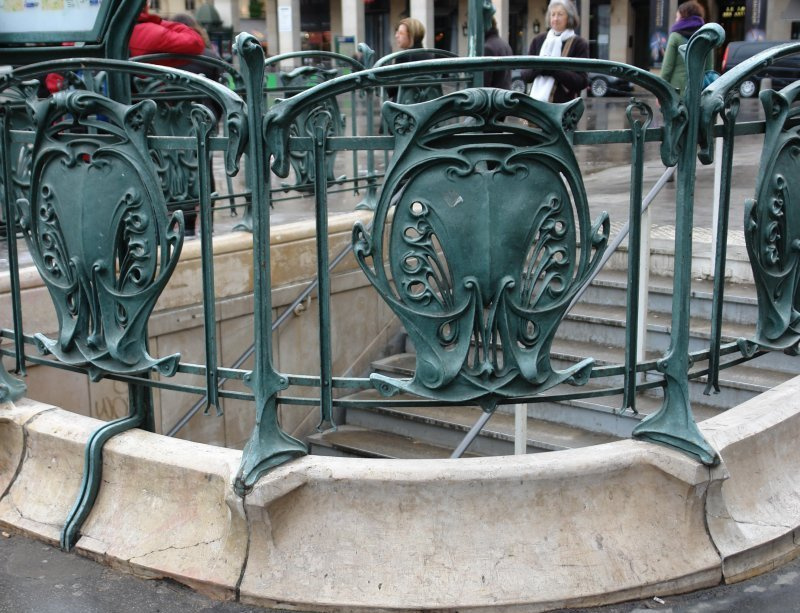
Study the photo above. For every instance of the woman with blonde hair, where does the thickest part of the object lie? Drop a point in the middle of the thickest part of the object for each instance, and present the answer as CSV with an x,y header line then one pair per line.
x,y
409,35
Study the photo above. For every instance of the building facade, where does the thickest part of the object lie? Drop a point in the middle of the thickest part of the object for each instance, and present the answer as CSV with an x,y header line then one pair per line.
x,y
631,31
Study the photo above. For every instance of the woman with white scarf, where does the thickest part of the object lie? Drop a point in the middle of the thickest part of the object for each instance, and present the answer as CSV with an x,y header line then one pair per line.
x,y
559,41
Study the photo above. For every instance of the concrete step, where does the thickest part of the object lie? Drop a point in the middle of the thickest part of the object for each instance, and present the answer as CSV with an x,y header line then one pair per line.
x,y
595,327
447,426
610,287
356,442
737,383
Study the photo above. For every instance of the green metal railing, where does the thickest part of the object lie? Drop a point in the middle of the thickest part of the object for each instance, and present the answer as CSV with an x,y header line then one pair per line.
x,y
481,237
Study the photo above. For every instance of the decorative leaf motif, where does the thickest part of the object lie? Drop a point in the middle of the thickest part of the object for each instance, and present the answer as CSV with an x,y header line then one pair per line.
x,y
97,228
483,246
303,125
771,230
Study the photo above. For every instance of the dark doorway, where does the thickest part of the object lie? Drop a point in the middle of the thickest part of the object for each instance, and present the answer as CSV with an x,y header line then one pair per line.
x,y
378,32
599,29
445,24
640,43
518,36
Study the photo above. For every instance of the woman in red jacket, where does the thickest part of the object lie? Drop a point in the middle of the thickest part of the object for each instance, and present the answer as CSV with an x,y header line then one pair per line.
x,y
151,34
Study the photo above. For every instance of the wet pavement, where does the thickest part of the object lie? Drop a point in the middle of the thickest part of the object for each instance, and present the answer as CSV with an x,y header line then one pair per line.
x,y
38,578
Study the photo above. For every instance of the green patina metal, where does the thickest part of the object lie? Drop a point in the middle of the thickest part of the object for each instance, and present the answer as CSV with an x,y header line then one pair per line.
x,y
268,446
638,128
674,423
483,248
93,211
97,229
490,235
772,226
303,162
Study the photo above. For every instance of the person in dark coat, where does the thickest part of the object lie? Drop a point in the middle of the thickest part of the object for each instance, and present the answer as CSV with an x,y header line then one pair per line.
x,y
408,35
559,41
495,46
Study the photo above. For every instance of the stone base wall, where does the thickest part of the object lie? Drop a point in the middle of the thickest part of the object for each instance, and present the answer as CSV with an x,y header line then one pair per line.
x,y
363,327
520,533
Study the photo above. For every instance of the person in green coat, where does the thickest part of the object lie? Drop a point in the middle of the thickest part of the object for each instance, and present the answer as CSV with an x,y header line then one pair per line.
x,y
689,18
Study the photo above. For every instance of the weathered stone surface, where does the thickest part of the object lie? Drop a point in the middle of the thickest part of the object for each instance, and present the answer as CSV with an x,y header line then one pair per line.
x,y
166,507
48,481
754,515
13,417
562,528
525,533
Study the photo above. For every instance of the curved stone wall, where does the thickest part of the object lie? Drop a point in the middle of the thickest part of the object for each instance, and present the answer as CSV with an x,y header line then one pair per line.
x,y
569,528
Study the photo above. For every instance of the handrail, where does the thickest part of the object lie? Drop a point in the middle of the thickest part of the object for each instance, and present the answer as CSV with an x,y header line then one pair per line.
x,y
305,293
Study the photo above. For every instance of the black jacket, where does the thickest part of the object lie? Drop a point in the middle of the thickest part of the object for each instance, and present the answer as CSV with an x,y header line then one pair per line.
x,y
495,46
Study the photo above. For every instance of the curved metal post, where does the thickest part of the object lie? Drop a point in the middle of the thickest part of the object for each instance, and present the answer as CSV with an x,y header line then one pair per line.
x,y
268,445
140,413
673,424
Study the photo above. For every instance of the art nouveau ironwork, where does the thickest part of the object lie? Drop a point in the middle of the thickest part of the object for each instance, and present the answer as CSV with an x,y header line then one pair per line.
x,y
481,234
483,248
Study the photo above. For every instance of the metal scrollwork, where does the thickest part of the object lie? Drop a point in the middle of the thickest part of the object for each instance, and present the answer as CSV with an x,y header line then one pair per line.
x,y
771,228
303,125
97,227
488,244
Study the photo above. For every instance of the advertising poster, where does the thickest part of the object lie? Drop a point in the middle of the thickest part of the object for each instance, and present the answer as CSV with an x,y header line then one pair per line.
x,y
26,16
755,20
659,30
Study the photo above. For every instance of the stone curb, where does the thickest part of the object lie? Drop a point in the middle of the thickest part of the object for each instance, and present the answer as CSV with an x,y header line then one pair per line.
x,y
530,533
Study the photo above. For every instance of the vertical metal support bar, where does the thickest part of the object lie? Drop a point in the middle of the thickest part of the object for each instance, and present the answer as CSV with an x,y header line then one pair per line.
x,y
371,199
674,423
475,35
520,429
354,132
11,240
721,247
644,288
323,274
633,307
268,446
203,123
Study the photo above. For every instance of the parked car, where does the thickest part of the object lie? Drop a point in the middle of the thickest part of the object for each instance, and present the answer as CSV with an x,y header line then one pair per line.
x,y
783,72
599,84
604,85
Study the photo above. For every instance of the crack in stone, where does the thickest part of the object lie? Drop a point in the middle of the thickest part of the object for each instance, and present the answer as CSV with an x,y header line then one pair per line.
x,y
759,523
174,548
19,512
238,588
23,455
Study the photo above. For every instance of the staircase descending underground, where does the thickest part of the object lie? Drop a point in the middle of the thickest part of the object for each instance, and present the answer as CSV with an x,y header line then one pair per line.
x,y
597,321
